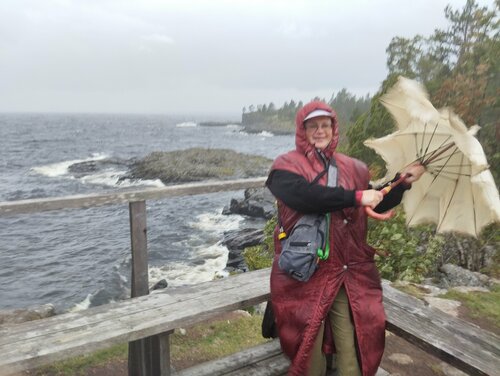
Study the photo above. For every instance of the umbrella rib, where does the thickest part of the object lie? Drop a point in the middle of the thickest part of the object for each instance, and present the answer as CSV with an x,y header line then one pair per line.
x,y
451,176
441,148
432,136
451,198
416,147
432,182
456,151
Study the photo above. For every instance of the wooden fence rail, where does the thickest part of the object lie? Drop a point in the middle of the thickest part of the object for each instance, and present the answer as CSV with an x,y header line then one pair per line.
x,y
147,321
144,354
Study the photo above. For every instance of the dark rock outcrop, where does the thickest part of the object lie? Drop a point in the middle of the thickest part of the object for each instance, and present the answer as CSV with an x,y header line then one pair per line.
x,y
236,241
81,169
198,164
258,202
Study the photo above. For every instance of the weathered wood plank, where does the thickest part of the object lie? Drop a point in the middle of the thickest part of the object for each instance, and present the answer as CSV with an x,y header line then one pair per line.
x,y
262,360
168,298
234,362
120,197
22,346
139,352
457,342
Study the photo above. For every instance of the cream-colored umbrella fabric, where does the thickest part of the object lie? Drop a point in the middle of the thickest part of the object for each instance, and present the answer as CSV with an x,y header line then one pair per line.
x,y
457,192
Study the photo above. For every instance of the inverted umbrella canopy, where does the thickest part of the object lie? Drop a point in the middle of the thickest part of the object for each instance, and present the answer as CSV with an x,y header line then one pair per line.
x,y
457,192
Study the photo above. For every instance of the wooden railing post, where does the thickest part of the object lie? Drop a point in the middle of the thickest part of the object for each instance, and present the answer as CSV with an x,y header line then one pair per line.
x,y
149,356
139,363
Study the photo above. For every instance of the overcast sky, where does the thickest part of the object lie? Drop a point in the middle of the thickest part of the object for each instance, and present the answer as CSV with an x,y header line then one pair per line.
x,y
194,56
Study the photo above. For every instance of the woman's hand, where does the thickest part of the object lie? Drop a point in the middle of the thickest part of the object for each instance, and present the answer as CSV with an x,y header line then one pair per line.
x,y
413,172
371,198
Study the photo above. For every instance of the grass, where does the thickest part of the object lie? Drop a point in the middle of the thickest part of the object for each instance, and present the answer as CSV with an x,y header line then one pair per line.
x,y
203,342
78,366
484,305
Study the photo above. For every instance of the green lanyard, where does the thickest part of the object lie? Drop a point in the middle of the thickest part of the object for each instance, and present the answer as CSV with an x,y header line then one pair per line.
x,y
323,254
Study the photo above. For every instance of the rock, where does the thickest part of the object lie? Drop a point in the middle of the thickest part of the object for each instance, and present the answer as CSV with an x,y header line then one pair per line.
x,y
400,358
161,284
457,276
236,241
258,202
198,164
81,169
468,289
434,290
240,239
16,316
446,305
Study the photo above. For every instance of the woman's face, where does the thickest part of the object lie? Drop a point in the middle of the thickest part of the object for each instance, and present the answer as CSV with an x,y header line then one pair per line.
x,y
319,131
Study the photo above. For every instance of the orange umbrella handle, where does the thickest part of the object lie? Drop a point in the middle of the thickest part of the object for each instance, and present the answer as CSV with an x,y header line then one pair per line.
x,y
390,213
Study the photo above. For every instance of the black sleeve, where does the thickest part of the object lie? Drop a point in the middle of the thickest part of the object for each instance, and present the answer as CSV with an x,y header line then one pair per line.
x,y
300,195
393,198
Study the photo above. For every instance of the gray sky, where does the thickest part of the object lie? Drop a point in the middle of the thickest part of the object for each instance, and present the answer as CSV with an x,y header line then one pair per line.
x,y
197,56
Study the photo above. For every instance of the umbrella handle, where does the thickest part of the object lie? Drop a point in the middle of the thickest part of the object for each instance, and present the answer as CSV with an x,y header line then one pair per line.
x,y
379,216
390,213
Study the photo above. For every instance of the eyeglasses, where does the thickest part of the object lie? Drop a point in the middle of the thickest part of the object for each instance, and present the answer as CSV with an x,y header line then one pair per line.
x,y
315,127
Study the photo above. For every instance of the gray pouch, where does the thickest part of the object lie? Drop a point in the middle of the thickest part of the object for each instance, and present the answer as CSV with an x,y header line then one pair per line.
x,y
299,254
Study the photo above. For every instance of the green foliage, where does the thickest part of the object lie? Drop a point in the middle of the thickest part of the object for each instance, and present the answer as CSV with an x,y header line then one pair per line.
x,y
282,120
261,256
413,253
480,304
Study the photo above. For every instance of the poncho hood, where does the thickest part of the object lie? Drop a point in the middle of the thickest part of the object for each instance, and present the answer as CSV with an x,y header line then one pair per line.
x,y
301,143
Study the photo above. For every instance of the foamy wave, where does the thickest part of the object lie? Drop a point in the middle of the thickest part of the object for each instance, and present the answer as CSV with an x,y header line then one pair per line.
x,y
82,305
112,179
266,134
217,222
235,127
61,168
187,124
214,262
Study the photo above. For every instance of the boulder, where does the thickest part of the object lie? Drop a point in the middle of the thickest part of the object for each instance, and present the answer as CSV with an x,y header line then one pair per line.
x,y
236,241
197,164
258,202
16,316
240,239
456,276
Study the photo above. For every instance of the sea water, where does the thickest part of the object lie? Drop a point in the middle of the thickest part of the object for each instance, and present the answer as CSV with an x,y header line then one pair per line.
x,y
76,258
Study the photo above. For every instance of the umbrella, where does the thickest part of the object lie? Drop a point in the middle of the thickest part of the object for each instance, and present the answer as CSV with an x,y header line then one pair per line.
x,y
457,191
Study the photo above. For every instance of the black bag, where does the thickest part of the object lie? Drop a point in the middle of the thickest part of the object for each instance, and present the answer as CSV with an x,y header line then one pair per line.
x,y
308,242
269,329
306,245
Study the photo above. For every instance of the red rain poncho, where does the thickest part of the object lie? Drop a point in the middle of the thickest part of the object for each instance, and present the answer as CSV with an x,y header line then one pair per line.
x,y
299,307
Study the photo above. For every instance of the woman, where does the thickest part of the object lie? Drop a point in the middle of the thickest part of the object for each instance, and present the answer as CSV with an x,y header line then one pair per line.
x,y
340,308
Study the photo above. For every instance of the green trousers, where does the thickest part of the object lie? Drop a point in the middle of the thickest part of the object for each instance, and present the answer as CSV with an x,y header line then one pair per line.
x,y
343,337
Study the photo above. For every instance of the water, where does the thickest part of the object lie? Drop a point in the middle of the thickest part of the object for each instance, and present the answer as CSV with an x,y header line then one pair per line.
x,y
77,258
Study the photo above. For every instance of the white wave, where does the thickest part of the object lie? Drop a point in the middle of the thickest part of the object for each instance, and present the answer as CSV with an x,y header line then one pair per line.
x,y
61,168
187,124
266,134
112,179
82,305
235,127
217,223
179,274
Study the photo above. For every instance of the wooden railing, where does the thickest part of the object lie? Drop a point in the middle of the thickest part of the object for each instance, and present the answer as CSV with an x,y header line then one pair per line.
x,y
146,321
139,358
